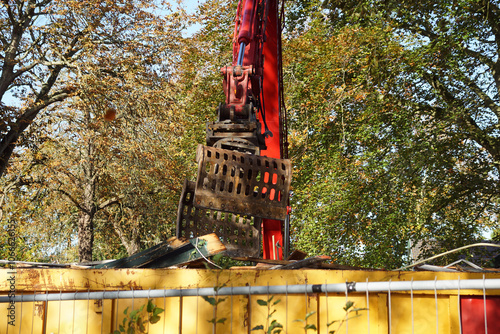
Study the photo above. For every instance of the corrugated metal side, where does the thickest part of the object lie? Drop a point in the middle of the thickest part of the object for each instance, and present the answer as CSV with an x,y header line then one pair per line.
x,y
404,312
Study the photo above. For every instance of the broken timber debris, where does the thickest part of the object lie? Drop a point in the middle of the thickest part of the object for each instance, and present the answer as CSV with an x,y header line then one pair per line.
x,y
173,252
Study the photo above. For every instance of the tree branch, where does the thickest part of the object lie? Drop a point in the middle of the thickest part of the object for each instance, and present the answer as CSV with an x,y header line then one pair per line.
x,y
466,121
8,142
110,201
487,101
73,200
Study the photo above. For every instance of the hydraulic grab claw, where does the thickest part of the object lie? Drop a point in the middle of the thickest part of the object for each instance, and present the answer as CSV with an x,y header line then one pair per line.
x,y
236,187
242,183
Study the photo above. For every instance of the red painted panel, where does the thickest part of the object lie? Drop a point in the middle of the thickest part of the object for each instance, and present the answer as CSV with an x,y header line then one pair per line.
x,y
271,229
472,313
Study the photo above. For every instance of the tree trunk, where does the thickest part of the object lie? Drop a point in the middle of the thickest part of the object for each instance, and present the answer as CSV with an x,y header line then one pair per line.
x,y
88,208
85,236
132,244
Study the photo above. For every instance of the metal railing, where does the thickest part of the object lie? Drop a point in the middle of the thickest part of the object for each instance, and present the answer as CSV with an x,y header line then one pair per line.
x,y
351,307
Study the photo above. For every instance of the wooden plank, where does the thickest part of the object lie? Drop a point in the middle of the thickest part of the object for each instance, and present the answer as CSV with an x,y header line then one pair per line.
x,y
170,253
258,260
311,261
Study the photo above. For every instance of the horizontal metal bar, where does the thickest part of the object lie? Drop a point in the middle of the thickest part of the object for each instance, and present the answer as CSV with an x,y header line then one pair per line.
x,y
470,284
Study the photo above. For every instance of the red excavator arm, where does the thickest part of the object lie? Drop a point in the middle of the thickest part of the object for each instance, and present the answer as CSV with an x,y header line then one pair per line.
x,y
257,56
244,177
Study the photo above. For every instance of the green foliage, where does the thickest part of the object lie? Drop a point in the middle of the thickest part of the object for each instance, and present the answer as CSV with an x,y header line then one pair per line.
x,y
393,119
393,127
349,308
272,326
226,262
204,54
342,184
137,321
215,301
307,326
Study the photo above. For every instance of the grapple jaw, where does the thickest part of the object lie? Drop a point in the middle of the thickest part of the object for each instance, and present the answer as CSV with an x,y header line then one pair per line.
x,y
239,233
242,183
232,194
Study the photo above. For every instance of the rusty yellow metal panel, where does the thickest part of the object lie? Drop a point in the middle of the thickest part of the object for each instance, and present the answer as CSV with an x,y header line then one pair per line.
x,y
333,316
383,314
112,279
290,312
424,318
454,314
27,319
191,314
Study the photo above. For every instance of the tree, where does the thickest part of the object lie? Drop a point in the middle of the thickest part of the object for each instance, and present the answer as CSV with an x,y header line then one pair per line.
x,y
397,111
205,52
46,42
452,56
106,179
113,172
